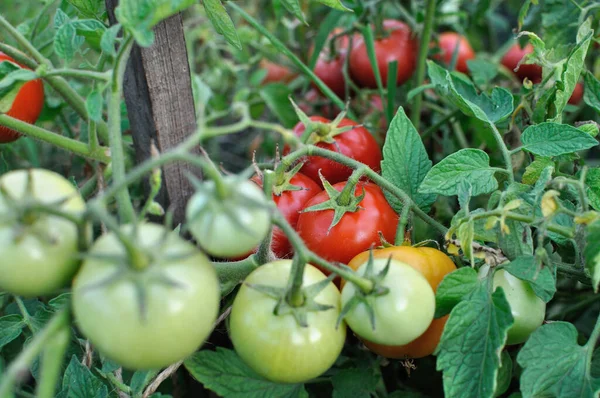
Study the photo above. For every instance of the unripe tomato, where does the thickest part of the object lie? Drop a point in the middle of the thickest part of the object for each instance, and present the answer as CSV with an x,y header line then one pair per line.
x,y
512,58
230,226
527,309
402,314
448,42
356,143
27,105
276,346
38,251
276,73
433,265
577,95
355,232
399,46
152,317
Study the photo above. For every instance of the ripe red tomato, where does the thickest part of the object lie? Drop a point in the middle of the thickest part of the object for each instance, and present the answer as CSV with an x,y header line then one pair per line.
x,y
329,70
447,43
577,95
276,73
397,46
433,265
357,143
290,203
27,105
355,232
512,58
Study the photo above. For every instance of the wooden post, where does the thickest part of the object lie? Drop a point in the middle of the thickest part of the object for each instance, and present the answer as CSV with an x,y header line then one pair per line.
x,y
158,95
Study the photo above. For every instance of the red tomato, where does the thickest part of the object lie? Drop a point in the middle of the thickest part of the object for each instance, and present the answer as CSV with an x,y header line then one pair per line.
x,y
577,95
356,143
398,46
329,70
290,203
512,58
27,105
355,232
276,73
448,42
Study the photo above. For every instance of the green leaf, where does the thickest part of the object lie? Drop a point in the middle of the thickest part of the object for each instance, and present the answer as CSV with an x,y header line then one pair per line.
x,y
572,69
535,168
140,380
337,4
554,365
11,327
471,165
592,182
482,71
294,7
94,105
354,383
504,374
516,243
469,351
222,21
591,94
79,382
556,15
590,128
405,162
67,42
553,139
88,8
466,234
276,96
592,253
109,38
541,279
453,288
223,372
461,92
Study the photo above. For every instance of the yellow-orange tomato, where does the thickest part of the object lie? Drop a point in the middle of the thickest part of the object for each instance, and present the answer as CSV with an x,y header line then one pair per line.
x,y
434,265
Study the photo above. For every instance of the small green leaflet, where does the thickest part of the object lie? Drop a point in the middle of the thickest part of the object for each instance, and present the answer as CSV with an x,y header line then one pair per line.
x,y
592,182
592,253
554,365
554,15
93,105
88,8
453,288
222,21
504,374
541,279
337,4
466,234
472,165
461,92
518,242
405,162
107,43
554,139
223,372
572,69
294,7
535,168
469,351
11,327
482,71
79,382
591,94
355,383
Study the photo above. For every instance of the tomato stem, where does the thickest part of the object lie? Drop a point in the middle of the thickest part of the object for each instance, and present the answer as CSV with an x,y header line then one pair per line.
x,y
31,351
295,297
401,231
125,207
428,26
264,253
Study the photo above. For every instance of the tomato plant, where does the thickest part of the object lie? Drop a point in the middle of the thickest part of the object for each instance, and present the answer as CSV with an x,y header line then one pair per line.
x,y
26,106
433,265
40,250
151,317
357,143
355,232
269,342
397,44
398,316
450,42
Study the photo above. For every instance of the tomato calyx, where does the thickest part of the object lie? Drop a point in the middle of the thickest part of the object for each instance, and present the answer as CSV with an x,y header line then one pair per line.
x,y
318,131
341,202
367,297
283,180
300,311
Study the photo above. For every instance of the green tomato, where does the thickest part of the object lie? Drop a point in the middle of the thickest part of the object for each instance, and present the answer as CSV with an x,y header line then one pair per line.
x,y
148,318
275,346
527,309
231,226
401,315
38,250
